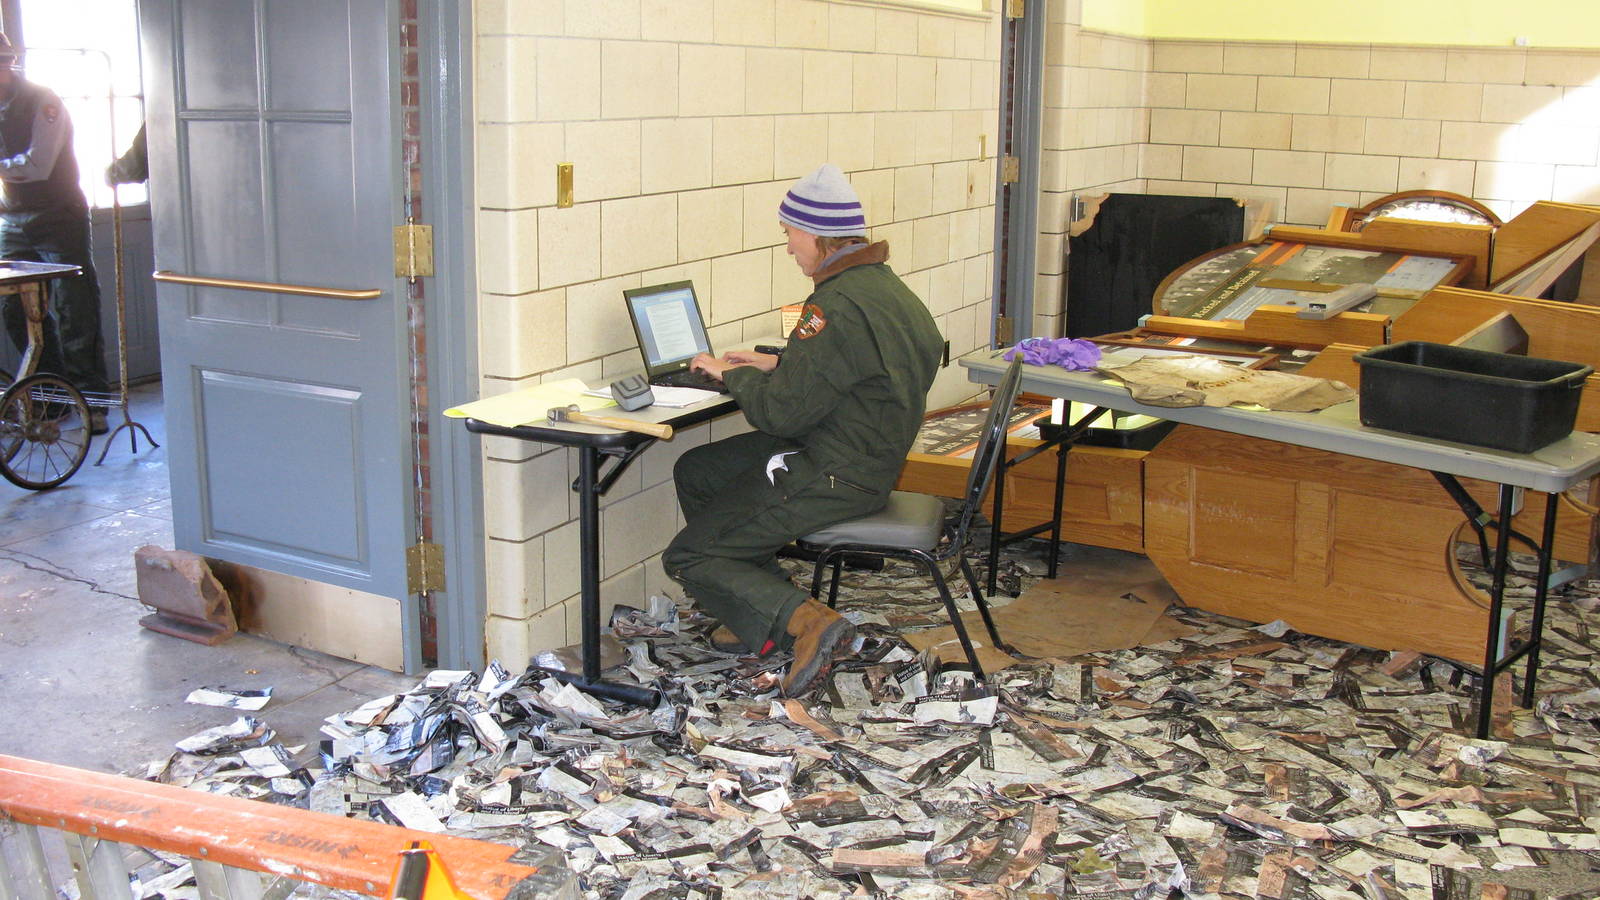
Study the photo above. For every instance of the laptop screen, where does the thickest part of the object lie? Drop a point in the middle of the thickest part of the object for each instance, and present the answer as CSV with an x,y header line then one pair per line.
x,y
667,320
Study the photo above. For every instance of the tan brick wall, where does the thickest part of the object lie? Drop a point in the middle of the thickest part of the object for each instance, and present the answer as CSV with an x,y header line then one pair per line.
x,y
1301,127
1506,127
1096,124
686,120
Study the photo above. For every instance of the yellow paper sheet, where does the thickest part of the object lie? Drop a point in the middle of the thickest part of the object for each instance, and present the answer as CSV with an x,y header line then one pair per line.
x,y
529,406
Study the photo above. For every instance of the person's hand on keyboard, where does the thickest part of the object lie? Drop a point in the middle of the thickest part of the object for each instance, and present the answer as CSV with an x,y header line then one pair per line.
x,y
766,362
705,362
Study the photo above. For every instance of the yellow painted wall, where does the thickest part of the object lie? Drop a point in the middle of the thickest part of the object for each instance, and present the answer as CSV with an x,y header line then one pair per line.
x,y
1483,23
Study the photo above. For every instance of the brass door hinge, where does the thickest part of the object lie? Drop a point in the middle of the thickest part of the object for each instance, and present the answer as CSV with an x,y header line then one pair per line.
x,y
1011,169
424,568
413,251
1003,330
1016,9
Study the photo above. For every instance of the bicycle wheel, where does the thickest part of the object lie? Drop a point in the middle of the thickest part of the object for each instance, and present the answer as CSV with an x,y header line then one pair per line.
x,y
8,446
44,431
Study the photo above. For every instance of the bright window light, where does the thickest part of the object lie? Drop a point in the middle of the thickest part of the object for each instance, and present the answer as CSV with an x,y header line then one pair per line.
x,y
87,51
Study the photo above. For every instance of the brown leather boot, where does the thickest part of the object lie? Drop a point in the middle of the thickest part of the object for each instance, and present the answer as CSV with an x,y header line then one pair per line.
x,y
818,633
723,639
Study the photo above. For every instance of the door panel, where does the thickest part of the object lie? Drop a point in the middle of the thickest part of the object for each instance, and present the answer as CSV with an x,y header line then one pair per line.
x,y
305,255
226,219
326,424
287,415
306,30
219,69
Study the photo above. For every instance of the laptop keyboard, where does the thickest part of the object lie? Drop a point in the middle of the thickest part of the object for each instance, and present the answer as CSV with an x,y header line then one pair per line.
x,y
690,379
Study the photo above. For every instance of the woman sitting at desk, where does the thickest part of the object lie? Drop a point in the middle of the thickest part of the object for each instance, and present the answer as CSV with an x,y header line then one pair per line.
x,y
834,423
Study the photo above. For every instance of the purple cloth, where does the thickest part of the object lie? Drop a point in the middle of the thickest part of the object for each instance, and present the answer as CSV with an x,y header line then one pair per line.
x,y
1072,354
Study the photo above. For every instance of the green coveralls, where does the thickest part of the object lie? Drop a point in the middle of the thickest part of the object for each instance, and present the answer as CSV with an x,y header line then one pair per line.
x,y
850,398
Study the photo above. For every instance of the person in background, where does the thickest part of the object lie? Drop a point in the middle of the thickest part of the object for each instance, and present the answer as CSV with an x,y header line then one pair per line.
x,y
833,423
133,167
44,217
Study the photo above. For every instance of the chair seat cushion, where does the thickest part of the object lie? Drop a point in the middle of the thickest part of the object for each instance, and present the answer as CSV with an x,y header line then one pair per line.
x,y
910,521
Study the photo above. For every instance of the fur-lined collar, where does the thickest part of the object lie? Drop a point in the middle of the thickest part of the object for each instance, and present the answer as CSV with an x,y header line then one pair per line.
x,y
871,254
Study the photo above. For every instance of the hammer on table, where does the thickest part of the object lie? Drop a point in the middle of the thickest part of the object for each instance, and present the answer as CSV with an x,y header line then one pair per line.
x,y
571,413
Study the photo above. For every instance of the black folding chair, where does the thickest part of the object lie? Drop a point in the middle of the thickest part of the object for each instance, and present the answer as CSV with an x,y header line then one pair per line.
x,y
915,526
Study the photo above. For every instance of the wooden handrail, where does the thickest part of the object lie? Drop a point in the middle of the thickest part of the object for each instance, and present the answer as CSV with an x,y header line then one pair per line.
x,y
346,854
271,287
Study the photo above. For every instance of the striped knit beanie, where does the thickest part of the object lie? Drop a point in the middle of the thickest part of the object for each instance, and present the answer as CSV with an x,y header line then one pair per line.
x,y
823,203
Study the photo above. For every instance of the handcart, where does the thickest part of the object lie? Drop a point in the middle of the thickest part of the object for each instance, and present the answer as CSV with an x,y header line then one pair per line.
x,y
44,418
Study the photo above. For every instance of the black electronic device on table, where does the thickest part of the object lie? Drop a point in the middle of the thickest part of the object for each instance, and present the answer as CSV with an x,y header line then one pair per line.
x,y
632,392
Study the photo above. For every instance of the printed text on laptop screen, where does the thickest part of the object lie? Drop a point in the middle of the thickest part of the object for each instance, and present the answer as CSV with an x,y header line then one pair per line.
x,y
668,325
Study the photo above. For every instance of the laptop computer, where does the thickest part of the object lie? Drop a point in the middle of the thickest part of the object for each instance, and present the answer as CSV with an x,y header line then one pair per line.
x,y
667,321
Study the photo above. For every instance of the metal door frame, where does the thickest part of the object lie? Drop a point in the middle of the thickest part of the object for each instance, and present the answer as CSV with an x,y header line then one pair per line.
x,y
456,498
1016,229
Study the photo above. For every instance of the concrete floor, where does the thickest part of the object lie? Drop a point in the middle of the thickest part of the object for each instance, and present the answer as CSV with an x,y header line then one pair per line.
x,y
81,683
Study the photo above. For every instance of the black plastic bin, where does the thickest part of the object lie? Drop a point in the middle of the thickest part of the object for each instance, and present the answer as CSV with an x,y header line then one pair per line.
x,y
1516,403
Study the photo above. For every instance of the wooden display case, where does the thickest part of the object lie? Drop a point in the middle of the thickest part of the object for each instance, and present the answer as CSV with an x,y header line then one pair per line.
x,y
1337,546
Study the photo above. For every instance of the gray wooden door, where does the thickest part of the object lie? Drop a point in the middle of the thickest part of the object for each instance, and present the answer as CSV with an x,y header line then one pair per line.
x,y
274,160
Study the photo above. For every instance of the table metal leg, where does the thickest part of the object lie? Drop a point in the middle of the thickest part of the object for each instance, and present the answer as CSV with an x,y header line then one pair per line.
x,y
33,299
588,489
589,559
1062,442
1055,509
1497,590
1493,661
1541,590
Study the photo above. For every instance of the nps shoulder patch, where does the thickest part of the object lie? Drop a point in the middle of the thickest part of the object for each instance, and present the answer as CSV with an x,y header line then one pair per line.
x,y
51,112
812,321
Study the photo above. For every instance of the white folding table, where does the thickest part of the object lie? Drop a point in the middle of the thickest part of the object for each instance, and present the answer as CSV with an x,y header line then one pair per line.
x,y
1548,470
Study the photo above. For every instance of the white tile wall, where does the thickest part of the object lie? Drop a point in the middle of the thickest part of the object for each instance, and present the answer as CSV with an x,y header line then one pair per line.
x,y
516,164
636,528
711,80
852,141
603,18
710,223
514,492
774,80
674,154
798,142
606,160
589,334
801,23
685,121
638,79
638,233
527,334
742,285
685,21
568,73
514,572
761,214
745,22
742,149
569,244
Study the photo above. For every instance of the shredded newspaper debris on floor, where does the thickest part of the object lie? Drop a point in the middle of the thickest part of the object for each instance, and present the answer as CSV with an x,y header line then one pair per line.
x,y
1234,761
